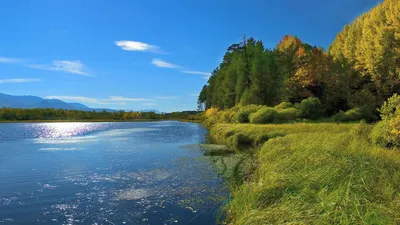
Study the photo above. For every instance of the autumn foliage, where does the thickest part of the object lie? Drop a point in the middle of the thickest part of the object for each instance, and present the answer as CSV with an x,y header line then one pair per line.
x,y
360,70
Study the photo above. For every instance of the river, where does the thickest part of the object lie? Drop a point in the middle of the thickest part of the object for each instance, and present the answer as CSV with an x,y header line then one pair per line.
x,y
107,173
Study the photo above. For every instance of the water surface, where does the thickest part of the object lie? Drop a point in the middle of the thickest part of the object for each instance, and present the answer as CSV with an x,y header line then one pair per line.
x,y
106,173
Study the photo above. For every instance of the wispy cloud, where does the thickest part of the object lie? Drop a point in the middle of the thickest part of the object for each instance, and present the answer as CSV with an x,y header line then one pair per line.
x,y
163,64
124,99
18,80
10,60
77,99
205,75
196,72
166,97
74,67
136,46
194,95
108,101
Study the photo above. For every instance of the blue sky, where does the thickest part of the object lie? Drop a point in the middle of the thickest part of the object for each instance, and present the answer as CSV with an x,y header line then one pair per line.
x,y
141,54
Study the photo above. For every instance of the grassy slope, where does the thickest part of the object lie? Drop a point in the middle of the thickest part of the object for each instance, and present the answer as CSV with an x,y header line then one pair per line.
x,y
315,174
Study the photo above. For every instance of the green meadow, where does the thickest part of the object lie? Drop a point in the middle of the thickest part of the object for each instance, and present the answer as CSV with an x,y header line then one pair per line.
x,y
313,173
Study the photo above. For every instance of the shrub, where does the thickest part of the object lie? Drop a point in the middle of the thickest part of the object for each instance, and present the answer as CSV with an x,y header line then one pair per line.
x,y
387,132
390,108
284,105
265,115
340,117
226,117
379,134
288,114
212,116
243,114
310,108
360,113
232,116
211,112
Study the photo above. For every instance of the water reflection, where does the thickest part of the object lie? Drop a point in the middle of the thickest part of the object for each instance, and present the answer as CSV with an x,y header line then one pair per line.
x,y
107,173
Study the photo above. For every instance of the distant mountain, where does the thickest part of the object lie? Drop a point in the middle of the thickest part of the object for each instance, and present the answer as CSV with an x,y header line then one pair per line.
x,y
30,102
26,102
18,101
149,110
79,106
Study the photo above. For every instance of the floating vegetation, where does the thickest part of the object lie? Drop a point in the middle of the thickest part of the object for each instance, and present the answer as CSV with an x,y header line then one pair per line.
x,y
215,150
234,168
210,149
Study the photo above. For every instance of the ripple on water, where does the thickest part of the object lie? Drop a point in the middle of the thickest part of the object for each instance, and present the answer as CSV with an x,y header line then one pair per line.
x,y
133,194
62,149
118,135
102,186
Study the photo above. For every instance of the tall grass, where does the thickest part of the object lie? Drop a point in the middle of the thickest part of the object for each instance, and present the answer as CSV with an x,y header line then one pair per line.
x,y
315,174
255,135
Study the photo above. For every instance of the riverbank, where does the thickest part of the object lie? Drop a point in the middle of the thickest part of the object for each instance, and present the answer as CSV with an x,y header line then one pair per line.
x,y
313,174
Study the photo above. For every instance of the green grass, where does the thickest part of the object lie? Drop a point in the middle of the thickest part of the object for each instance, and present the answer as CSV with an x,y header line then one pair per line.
x,y
314,174
237,136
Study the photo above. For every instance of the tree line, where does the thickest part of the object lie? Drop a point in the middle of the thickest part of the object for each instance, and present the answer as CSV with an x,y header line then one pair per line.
x,y
10,114
360,69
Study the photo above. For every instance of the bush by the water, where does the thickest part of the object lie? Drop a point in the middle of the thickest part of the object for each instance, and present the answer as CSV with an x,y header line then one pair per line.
x,y
264,115
228,116
267,115
360,113
284,105
289,114
245,111
387,132
310,108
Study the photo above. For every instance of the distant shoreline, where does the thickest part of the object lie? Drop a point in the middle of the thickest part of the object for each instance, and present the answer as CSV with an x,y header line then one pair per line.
x,y
99,121
80,121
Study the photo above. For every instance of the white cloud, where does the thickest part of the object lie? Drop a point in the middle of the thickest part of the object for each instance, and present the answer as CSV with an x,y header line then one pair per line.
x,y
166,97
10,60
195,95
196,72
110,100
163,64
136,46
205,75
18,80
123,99
77,99
74,67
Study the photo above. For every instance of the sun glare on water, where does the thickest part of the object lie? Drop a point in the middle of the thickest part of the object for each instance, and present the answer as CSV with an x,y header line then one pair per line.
x,y
58,130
